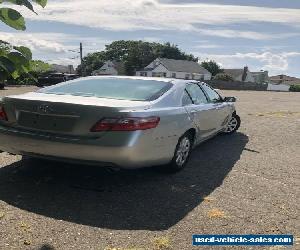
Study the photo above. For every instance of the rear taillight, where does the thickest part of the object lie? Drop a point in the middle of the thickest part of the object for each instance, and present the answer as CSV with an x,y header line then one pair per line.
x,y
3,116
126,124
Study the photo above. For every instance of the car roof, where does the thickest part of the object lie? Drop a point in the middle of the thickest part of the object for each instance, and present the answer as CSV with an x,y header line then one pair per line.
x,y
160,79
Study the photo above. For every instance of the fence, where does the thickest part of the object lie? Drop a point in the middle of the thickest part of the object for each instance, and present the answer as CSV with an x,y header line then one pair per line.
x,y
218,84
279,87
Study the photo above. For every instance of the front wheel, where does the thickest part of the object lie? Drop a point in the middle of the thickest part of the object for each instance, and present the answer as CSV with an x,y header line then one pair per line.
x,y
233,125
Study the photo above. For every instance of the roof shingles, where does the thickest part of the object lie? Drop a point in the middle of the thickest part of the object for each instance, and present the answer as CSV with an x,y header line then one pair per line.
x,y
183,66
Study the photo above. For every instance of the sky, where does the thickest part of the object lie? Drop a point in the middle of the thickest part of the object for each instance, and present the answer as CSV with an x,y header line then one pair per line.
x,y
264,35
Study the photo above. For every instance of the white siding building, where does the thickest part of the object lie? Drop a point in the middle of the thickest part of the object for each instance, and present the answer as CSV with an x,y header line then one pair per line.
x,y
244,75
170,68
110,68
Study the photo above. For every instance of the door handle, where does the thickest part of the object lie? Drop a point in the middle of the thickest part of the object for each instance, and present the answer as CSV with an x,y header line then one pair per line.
x,y
217,107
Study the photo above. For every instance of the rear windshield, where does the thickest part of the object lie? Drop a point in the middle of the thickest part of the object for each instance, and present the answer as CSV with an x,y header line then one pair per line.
x,y
112,88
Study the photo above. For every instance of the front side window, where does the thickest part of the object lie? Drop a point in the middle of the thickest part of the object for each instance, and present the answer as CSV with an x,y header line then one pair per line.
x,y
212,94
111,88
196,93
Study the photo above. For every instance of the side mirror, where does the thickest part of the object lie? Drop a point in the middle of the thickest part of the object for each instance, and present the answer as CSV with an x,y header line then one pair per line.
x,y
229,99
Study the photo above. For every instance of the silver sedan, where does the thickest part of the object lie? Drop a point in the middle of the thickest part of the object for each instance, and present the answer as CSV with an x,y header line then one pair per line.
x,y
127,122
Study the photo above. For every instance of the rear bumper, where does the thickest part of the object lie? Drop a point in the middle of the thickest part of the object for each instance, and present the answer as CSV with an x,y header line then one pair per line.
x,y
139,150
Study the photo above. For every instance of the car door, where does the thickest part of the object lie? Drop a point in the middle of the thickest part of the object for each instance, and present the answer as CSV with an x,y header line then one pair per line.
x,y
221,109
200,111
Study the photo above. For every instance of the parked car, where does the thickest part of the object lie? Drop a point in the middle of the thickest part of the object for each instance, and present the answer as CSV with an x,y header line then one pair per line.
x,y
127,122
54,78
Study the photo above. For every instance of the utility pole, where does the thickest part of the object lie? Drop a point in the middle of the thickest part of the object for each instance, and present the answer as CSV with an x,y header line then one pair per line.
x,y
81,58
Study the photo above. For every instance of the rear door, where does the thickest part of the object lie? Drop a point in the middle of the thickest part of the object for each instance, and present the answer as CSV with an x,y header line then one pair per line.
x,y
222,109
200,111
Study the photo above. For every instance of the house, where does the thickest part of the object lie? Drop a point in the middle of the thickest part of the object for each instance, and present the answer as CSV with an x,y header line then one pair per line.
x,y
260,76
69,69
239,75
113,68
244,75
171,68
284,79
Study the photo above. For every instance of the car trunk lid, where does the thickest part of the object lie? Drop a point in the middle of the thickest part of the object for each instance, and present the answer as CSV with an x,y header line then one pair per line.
x,y
64,114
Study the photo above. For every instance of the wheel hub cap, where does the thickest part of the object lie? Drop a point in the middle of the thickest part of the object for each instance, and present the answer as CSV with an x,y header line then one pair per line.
x,y
232,125
183,151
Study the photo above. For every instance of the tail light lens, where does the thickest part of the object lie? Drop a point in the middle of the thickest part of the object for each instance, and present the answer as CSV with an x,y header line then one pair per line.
x,y
3,116
126,124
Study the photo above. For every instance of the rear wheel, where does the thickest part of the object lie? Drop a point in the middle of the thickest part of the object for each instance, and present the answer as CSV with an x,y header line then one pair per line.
x,y
233,125
182,153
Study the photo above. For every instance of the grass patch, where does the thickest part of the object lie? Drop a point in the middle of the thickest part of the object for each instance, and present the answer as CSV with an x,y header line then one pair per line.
x,y
27,242
277,113
25,227
2,214
162,243
216,213
117,248
208,199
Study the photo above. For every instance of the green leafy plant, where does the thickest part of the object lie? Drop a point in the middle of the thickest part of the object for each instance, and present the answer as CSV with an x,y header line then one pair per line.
x,y
224,77
37,69
212,67
295,88
15,60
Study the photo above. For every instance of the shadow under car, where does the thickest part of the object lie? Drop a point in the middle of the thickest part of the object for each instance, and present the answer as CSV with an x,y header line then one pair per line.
x,y
141,199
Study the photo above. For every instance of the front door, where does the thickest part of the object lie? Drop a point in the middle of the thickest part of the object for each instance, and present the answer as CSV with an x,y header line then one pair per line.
x,y
222,109
201,111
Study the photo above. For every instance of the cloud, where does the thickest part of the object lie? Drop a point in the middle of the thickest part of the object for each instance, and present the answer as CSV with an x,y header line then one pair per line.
x,y
36,41
152,15
226,33
54,47
274,62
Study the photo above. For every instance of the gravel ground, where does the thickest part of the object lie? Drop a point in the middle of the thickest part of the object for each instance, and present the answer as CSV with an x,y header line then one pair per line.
x,y
247,183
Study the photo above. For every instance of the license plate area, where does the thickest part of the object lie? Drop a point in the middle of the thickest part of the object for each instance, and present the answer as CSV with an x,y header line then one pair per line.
x,y
46,122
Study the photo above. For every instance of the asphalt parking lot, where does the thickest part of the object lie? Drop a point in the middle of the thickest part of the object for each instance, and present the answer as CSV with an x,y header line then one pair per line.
x,y
247,183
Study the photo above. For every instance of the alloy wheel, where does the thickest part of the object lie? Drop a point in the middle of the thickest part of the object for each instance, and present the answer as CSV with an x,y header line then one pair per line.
x,y
232,125
183,151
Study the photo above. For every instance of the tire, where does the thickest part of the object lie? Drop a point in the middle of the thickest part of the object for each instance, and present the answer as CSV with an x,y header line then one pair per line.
x,y
182,154
233,125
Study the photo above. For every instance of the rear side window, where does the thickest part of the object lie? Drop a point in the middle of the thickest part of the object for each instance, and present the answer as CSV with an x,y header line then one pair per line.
x,y
112,88
186,99
196,93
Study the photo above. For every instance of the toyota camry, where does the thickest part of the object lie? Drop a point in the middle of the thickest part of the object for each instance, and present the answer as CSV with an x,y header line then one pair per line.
x,y
125,122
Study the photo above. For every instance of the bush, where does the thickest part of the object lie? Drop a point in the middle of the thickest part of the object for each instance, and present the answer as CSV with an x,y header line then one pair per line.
x,y
2,85
295,88
224,77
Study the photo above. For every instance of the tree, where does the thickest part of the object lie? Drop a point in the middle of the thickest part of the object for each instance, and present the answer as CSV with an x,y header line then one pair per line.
x,y
37,68
134,54
91,62
224,77
15,60
212,67
295,88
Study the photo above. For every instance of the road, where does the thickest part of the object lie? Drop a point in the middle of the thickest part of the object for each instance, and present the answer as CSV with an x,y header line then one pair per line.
x,y
246,183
